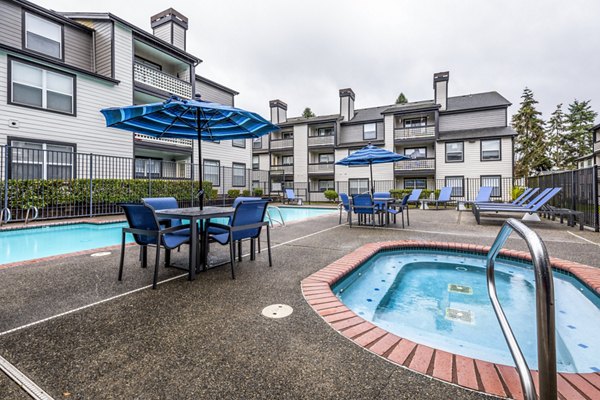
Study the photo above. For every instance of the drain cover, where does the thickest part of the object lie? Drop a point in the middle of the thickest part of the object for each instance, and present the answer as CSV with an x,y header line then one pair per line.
x,y
101,254
277,311
454,288
465,316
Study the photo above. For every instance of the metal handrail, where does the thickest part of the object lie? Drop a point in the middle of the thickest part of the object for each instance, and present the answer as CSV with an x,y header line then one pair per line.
x,y
5,212
544,303
35,214
271,219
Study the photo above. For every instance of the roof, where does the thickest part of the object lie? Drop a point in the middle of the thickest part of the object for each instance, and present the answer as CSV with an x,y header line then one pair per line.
x,y
477,100
217,85
53,14
477,133
139,31
414,105
596,127
312,120
367,114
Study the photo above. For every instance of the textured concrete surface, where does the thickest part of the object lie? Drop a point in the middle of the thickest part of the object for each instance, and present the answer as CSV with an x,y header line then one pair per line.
x,y
207,338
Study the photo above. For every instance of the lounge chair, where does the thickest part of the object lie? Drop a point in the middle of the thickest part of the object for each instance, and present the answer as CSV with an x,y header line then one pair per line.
x,y
485,192
532,202
444,197
526,195
533,207
147,231
246,224
290,196
362,205
414,197
344,206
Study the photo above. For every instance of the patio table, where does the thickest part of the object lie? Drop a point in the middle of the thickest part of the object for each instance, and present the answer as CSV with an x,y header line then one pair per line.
x,y
195,214
388,201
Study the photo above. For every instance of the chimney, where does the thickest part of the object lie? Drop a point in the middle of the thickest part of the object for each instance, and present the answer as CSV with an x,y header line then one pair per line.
x,y
347,104
278,111
440,89
170,26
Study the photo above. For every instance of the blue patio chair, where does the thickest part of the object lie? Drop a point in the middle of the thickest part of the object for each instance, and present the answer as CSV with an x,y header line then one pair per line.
x,y
414,196
290,196
246,224
163,203
444,197
362,205
399,209
344,206
147,231
526,195
483,196
533,207
381,195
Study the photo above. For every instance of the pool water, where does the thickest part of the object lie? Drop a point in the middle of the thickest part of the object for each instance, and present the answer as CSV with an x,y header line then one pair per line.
x,y
440,299
29,244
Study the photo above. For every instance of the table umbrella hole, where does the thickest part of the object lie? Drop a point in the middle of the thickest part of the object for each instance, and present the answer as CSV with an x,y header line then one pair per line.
x,y
101,254
277,311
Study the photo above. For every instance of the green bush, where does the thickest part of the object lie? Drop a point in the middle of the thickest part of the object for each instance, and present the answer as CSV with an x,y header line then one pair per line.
x,y
213,194
400,193
425,194
330,195
246,193
257,192
517,191
233,193
208,190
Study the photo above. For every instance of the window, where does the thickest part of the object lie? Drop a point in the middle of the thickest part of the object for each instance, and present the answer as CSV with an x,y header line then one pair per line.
x,y
36,160
146,167
324,132
326,184
457,183
326,158
493,181
239,143
369,131
287,160
36,87
415,122
255,184
238,174
490,150
287,135
257,143
43,36
356,186
416,152
415,183
255,162
454,151
211,172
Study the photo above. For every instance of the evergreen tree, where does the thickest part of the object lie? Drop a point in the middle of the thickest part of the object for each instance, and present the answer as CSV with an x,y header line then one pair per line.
x,y
307,113
530,143
578,139
401,99
555,136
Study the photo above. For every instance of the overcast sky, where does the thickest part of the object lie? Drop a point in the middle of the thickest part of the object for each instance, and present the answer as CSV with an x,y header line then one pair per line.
x,y
303,51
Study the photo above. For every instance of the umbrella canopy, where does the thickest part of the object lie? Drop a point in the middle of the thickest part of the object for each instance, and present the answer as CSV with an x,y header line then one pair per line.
x,y
189,119
370,155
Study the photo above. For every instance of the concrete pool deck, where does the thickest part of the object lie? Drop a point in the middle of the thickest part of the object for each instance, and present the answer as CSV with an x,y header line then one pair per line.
x,y
207,338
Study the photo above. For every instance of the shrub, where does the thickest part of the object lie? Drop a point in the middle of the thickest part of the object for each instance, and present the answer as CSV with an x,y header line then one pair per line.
x,y
426,193
330,195
213,194
436,193
400,193
233,193
246,193
257,192
517,191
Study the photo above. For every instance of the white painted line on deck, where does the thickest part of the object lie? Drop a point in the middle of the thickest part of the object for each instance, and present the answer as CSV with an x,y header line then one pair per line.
x,y
140,289
584,239
23,381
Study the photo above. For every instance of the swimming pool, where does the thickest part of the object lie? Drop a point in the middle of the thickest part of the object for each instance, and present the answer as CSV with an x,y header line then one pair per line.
x,y
440,299
32,243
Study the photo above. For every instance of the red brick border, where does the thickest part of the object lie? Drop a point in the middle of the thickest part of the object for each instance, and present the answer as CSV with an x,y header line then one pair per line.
x,y
495,379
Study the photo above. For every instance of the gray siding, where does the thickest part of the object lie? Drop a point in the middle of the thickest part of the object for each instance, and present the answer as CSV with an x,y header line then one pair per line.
x,y
354,133
10,24
163,32
211,93
78,48
104,33
178,36
473,120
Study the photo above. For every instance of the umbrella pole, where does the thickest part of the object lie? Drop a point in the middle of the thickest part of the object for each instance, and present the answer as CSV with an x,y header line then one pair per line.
x,y
201,191
372,183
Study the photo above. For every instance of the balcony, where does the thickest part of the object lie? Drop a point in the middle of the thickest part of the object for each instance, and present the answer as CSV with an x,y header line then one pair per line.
x,y
260,145
287,169
328,140
160,80
415,165
596,147
320,168
170,141
279,144
416,132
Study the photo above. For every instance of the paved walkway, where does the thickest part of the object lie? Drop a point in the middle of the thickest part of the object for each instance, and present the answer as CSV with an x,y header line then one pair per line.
x,y
207,338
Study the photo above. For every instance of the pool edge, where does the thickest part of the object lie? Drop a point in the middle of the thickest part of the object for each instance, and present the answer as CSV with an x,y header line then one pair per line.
x,y
472,374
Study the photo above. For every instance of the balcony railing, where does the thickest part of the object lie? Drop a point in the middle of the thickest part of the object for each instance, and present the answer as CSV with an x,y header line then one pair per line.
x,y
281,143
418,164
171,141
414,132
162,81
596,147
282,169
320,168
321,140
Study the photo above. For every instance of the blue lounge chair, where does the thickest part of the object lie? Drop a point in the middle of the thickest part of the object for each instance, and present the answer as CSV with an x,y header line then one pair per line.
x,y
485,192
526,195
533,207
414,196
444,197
363,206
246,224
344,206
147,231
531,203
290,196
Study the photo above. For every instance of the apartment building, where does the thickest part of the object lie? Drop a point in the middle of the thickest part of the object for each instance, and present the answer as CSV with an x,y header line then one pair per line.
x,y
57,70
448,139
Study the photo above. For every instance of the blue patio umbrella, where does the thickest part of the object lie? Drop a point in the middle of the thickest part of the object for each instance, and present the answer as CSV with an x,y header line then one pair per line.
x,y
189,119
370,155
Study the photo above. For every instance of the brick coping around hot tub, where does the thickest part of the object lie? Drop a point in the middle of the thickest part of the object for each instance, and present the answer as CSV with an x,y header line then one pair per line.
x,y
495,379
